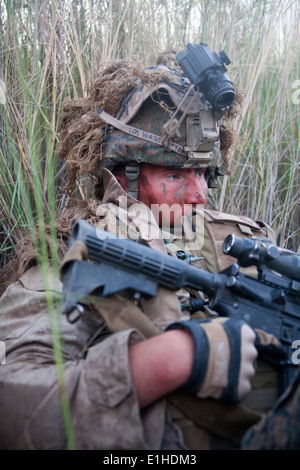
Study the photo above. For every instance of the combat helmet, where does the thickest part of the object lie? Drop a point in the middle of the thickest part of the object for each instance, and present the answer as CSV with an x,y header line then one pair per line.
x,y
136,114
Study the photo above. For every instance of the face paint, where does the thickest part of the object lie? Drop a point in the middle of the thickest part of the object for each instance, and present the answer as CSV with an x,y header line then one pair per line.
x,y
171,192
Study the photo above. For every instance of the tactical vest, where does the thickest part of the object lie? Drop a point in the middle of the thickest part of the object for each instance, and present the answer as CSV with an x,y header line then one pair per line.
x,y
211,424
204,423
216,226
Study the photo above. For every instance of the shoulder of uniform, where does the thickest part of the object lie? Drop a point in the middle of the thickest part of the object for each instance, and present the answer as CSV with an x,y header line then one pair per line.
x,y
224,217
245,224
35,280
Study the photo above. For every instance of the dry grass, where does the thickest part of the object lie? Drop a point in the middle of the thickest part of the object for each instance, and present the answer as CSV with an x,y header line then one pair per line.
x,y
50,48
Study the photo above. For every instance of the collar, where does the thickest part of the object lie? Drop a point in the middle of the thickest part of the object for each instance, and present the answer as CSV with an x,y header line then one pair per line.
x,y
138,214
113,191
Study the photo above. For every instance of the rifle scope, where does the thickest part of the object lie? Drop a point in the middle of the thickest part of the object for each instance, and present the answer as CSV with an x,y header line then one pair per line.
x,y
260,251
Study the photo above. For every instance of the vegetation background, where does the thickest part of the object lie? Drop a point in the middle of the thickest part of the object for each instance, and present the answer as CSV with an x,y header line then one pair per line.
x,y
50,48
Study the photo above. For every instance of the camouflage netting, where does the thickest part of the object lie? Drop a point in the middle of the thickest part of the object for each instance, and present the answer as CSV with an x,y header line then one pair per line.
x,y
82,131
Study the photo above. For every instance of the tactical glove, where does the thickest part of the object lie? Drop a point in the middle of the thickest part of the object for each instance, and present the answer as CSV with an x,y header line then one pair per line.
x,y
269,348
224,355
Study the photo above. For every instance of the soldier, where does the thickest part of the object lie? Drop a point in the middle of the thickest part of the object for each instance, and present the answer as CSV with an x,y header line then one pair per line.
x,y
135,375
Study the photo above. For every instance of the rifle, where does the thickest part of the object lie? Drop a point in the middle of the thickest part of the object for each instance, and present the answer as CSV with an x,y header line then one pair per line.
x,y
270,301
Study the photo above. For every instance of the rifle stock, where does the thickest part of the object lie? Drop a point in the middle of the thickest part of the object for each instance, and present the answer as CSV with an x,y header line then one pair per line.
x,y
270,302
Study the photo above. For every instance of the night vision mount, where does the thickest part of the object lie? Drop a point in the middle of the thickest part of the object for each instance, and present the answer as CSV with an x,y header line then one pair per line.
x,y
206,71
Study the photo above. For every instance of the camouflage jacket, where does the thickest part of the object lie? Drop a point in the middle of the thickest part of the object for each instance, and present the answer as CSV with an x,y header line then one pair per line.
x,y
96,379
103,404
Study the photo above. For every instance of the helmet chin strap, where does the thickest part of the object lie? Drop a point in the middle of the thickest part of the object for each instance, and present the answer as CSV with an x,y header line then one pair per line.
x,y
132,173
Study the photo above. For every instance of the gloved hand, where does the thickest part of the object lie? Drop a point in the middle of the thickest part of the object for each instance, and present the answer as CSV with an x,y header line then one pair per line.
x,y
269,348
224,355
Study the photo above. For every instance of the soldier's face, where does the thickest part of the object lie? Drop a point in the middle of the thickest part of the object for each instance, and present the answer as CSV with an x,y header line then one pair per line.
x,y
171,192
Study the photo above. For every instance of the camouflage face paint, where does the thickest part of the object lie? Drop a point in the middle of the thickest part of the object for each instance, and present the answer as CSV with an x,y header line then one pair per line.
x,y
171,187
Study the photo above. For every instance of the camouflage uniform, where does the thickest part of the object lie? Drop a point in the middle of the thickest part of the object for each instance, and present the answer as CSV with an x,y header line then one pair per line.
x,y
104,407
279,429
97,377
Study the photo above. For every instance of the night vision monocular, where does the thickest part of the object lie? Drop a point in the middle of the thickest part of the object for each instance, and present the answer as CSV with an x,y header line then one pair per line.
x,y
206,70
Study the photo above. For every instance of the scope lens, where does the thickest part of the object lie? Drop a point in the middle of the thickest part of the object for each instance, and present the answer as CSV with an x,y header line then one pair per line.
x,y
224,100
218,90
228,244
237,246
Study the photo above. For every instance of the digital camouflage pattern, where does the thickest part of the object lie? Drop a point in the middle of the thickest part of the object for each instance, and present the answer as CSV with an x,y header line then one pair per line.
x,y
150,121
279,429
121,147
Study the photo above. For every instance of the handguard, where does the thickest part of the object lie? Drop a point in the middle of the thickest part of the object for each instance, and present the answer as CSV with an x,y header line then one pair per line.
x,y
220,370
269,303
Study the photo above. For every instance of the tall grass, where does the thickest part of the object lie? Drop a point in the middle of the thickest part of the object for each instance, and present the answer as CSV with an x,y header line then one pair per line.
x,y
50,48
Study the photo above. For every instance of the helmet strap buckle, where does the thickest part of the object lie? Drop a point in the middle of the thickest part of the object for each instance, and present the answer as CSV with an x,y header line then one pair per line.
x,y
132,174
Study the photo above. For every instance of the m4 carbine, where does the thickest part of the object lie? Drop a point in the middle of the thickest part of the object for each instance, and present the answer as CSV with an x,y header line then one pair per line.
x,y
269,302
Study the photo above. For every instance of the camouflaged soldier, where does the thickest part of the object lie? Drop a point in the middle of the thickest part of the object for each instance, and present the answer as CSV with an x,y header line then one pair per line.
x,y
148,138
279,429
